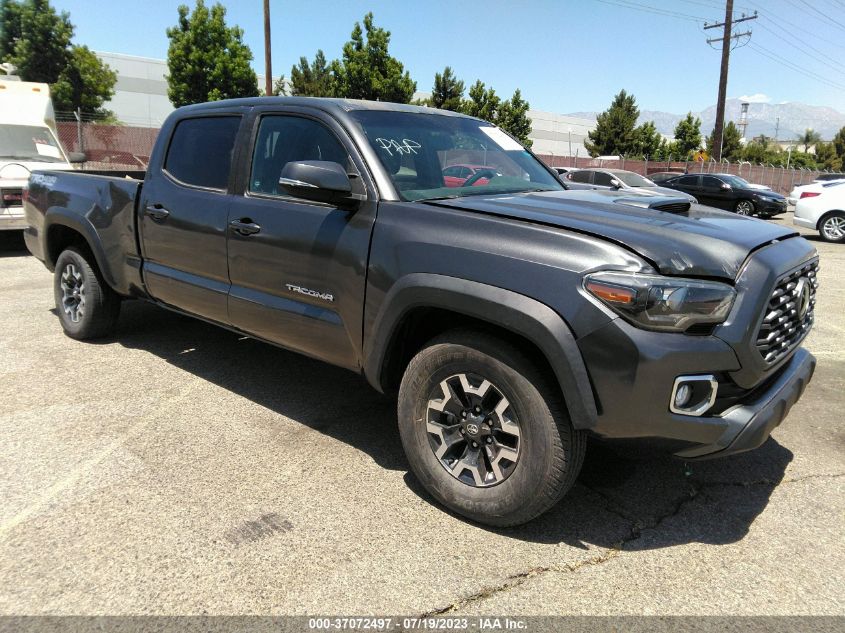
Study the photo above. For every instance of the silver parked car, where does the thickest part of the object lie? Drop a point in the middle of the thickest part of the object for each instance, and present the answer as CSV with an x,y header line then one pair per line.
x,y
595,178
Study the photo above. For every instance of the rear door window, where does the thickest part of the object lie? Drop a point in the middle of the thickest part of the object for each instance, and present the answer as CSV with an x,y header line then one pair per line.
x,y
688,181
200,152
580,176
602,179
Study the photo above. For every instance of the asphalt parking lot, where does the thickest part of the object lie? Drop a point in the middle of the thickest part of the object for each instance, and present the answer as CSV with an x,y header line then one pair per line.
x,y
177,468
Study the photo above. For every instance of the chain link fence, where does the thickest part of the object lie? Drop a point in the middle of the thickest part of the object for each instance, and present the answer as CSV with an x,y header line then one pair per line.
x,y
779,179
108,146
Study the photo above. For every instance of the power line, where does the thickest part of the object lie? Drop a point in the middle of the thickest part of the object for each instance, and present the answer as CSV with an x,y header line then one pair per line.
x,y
774,19
825,18
653,10
834,67
793,66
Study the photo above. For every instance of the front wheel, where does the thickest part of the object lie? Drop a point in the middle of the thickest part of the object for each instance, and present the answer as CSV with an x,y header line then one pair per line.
x,y
832,228
485,432
744,207
87,306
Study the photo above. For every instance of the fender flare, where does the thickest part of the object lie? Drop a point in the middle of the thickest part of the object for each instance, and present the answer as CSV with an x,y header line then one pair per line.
x,y
518,313
71,220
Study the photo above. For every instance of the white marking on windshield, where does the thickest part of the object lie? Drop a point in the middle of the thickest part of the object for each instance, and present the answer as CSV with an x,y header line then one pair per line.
x,y
405,146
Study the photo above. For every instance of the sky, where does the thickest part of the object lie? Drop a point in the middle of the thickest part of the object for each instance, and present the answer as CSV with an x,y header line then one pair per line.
x,y
564,55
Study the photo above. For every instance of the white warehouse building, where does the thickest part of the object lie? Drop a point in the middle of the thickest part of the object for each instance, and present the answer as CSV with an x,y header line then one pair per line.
x,y
140,99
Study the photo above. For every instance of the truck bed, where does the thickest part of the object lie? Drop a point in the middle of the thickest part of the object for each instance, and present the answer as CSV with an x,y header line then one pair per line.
x,y
101,207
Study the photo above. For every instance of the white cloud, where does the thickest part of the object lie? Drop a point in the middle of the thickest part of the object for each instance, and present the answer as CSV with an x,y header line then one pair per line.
x,y
756,98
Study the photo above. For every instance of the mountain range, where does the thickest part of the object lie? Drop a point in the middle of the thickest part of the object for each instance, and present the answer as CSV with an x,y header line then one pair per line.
x,y
762,119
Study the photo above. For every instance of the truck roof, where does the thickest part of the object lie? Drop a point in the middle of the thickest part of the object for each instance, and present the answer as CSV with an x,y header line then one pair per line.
x,y
332,105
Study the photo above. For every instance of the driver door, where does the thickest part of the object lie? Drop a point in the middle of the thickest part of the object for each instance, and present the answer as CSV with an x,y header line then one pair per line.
x,y
298,273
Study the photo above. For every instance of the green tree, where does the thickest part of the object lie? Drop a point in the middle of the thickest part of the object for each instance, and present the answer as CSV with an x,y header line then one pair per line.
x,y
36,39
513,118
615,133
483,103
312,80
809,138
84,83
731,141
10,28
206,59
839,143
366,69
448,91
826,157
648,140
688,134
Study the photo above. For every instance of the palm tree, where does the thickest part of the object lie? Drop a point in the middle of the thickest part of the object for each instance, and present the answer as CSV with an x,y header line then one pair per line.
x,y
809,138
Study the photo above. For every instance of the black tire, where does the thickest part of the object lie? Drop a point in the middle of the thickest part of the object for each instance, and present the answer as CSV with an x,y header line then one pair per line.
x,y
97,305
832,227
745,207
550,454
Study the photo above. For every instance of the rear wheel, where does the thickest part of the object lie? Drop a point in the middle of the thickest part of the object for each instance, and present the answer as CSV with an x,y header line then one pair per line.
x,y
87,306
832,227
744,207
487,434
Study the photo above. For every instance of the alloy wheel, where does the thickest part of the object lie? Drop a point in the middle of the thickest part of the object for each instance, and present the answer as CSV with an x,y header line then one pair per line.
x,y
834,228
473,430
744,207
73,293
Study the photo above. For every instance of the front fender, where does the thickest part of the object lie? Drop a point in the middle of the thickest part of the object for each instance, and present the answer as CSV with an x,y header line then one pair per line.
x,y
522,315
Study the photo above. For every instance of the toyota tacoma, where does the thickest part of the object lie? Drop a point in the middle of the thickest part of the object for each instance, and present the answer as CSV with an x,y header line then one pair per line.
x,y
513,318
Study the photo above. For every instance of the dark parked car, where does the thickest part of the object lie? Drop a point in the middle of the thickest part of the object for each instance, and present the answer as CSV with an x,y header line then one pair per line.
x,y
512,318
726,191
662,176
621,179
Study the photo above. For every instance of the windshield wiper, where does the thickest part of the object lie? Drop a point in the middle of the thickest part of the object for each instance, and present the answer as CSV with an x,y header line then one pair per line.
x,y
439,198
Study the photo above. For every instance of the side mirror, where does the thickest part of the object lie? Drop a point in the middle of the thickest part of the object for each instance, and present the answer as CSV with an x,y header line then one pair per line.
x,y
725,186
319,180
615,184
76,157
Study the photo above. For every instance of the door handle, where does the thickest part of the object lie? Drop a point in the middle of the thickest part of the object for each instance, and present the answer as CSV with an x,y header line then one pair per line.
x,y
245,226
156,212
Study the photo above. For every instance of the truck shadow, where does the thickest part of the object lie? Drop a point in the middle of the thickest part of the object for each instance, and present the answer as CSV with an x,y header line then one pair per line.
x,y
12,244
629,494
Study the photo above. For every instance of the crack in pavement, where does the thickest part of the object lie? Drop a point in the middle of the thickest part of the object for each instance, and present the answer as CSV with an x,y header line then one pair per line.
x,y
636,530
518,579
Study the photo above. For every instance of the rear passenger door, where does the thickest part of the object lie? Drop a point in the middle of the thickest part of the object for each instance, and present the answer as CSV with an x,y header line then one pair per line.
x,y
299,279
688,184
184,210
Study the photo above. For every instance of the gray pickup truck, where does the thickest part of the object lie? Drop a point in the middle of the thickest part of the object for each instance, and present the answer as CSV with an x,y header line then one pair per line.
x,y
514,318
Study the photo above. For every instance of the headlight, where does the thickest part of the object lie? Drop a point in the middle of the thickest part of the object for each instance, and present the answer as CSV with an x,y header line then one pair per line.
x,y
655,302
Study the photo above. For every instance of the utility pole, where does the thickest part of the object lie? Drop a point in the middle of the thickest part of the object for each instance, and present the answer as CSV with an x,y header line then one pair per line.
x,y
727,38
777,128
268,64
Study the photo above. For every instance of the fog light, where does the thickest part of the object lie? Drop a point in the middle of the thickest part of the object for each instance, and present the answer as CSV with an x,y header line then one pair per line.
x,y
682,395
693,395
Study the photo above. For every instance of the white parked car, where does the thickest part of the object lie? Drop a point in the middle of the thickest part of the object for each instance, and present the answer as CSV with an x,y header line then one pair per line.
x,y
821,207
795,194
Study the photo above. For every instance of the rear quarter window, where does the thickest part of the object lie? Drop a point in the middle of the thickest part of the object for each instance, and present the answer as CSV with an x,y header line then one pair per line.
x,y
200,152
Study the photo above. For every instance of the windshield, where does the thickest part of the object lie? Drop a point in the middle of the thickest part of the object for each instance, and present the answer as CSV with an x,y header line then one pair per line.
x,y
30,143
633,180
736,181
430,156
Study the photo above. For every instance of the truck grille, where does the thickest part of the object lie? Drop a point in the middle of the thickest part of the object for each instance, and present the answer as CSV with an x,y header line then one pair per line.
x,y
789,313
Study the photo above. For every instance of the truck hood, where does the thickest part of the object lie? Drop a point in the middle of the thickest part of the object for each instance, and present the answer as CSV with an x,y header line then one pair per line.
x,y
702,242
